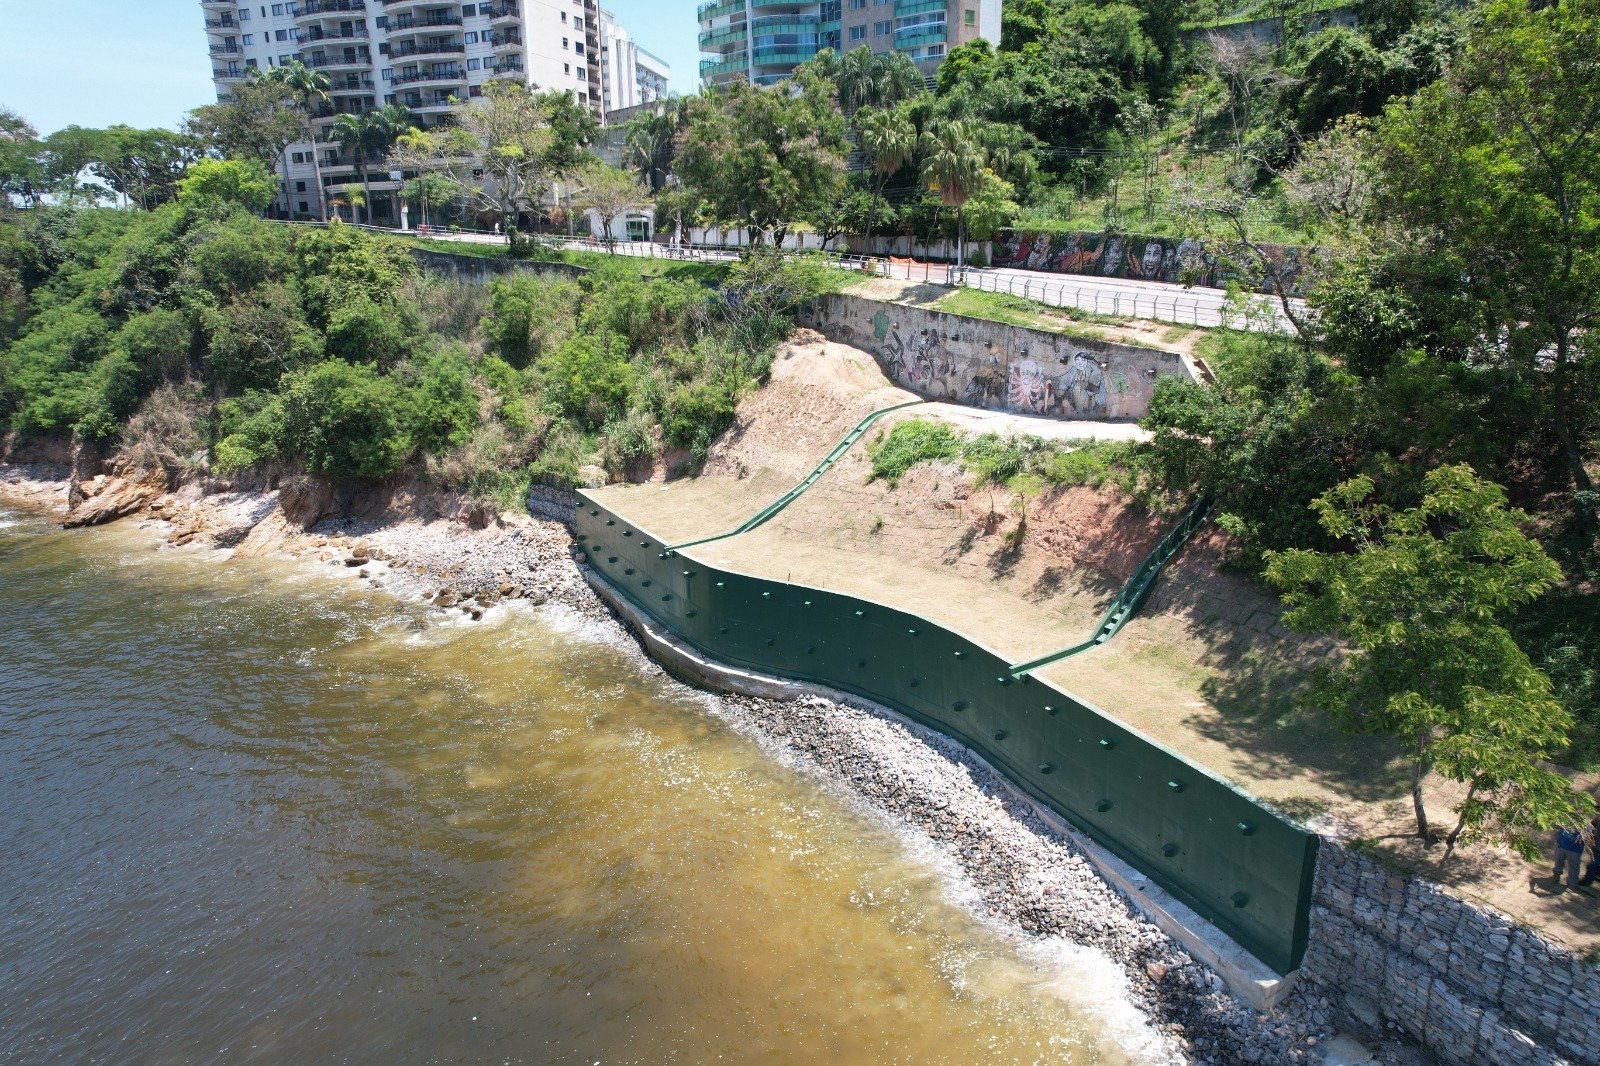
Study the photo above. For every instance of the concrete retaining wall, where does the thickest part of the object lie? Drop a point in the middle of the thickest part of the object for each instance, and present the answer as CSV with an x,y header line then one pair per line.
x,y
1466,982
478,269
995,366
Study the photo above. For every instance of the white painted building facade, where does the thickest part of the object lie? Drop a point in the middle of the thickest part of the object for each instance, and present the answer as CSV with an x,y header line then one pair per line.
x,y
430,57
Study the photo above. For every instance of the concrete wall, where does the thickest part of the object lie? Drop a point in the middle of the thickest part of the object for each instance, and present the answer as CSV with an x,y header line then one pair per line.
x,y
1466,982
1179,260
992,365
478,269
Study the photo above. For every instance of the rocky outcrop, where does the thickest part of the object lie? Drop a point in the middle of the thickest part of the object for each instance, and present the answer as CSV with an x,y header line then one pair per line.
x,y
103,499
305,499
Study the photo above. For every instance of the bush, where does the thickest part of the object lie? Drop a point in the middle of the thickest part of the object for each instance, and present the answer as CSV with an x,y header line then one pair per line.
x,y
252,428
242,182
158,343
347,420
257,338
911,442
996,459
443,402
587,378
167,431
528,316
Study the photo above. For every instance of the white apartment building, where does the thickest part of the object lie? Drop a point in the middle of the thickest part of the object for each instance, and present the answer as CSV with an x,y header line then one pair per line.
x,y
629,75
431,57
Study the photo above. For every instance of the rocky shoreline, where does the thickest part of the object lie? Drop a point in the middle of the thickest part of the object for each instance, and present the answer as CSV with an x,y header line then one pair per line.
x,y
1033,881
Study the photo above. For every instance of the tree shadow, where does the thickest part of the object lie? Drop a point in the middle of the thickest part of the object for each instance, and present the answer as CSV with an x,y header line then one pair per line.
x,y
1259,718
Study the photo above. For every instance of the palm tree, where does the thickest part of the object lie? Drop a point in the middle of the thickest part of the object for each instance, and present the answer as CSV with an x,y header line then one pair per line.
x,y
310,87
888,141
898,79
370,134
650,140
953,168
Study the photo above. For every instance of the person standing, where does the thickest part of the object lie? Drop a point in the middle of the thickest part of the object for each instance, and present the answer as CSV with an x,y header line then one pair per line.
x,y
1591,837
1569,854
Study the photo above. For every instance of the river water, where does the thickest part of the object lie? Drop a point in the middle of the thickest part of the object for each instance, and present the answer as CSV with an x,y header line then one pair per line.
x,y
250,814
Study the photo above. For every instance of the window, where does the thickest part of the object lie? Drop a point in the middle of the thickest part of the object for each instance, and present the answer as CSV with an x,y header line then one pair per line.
x,y
283,61
857,32
244,14
935,51
566,68
468,10
277,9
857,5
281,35
387,74
484,9
578,48
970,17
474,64
305,208
577,22
249,38
299,186
880,29
475,91
472,38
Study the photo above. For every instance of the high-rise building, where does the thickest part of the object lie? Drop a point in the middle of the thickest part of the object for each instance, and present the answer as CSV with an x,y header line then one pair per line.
x,y
763,41
629,75
430,57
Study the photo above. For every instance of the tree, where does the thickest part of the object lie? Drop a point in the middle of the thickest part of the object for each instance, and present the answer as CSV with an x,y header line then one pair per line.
x,y
505,152
650,140
258,120
244,182
310,89
145,166
1495,172
371,135
764,156
21,170
865,78
953,167
889,141
1419,603
608,191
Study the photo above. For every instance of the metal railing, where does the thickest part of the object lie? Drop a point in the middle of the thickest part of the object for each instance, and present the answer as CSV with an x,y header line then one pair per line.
x,y
1153,306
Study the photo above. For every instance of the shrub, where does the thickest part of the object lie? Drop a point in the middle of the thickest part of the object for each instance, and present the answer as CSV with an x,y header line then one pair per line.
x,y
911,442
257,338
528,316
587,378
242,182
444,405
347,420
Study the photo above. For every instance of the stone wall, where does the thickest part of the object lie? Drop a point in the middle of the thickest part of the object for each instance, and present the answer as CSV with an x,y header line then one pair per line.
x,y
1400,954
971,361
479,269
1177,260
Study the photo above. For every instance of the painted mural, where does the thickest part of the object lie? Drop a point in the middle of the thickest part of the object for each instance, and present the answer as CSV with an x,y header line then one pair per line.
x,y
1184,260
995,366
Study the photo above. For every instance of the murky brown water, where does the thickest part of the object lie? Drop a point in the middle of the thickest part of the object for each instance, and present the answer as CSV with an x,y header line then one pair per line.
x,y
249,814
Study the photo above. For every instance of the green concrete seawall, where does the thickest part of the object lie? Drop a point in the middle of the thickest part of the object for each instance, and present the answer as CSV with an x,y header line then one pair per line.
x,y
1238,864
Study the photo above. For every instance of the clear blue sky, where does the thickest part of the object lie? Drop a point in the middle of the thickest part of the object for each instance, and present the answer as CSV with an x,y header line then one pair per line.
x,y
144,62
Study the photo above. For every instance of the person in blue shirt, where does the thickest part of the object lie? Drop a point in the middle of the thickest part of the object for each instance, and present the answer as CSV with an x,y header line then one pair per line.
x,y
1591,837
1569,854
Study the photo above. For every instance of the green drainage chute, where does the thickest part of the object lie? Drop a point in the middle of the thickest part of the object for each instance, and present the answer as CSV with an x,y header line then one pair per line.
x,y
1133,593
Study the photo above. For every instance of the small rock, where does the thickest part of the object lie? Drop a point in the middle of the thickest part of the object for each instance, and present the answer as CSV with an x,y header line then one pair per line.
x,y
357,560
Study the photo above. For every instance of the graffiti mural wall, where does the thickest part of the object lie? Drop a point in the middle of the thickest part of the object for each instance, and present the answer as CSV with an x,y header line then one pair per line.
x,y
999,367
1182,260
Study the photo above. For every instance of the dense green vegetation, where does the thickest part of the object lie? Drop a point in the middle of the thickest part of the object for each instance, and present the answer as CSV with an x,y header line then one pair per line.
x,y
1022,464
325,349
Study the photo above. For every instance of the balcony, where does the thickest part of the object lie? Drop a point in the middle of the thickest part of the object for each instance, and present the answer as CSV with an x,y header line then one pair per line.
x,y
317,33
338,62
505,39
711,68
427,48
226,50
229,73
218,3
222,25
714,40
917,36
717,8
312,10
433,105
351,85
508,70
439,76
503,13
407,5
410,25
788,55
